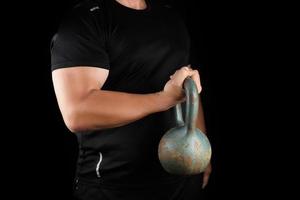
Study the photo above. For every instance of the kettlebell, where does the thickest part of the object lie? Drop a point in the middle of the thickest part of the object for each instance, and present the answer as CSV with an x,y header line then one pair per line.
x,y
184,149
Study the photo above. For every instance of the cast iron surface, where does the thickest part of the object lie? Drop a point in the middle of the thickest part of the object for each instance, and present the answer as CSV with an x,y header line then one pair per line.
x,y
184,149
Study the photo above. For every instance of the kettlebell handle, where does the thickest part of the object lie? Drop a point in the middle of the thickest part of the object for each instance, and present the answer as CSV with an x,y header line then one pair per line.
x,y
192,105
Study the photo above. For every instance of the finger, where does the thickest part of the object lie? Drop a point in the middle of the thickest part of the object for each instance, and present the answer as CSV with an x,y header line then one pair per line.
x,y
196,78
181,74
188,68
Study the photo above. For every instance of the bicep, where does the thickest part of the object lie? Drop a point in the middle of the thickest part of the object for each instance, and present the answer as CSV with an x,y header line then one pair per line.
x,y
73,84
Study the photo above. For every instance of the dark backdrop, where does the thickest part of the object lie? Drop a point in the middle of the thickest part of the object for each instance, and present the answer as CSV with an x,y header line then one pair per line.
x,y
42,154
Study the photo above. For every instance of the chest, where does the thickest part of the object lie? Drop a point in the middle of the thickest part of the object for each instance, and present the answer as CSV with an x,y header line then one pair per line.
x,y
145,50
147,38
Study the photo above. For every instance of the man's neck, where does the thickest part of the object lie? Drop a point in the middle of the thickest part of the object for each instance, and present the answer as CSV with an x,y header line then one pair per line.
x,y
134,4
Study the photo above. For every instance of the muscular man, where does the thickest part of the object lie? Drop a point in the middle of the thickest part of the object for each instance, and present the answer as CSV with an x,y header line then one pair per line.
x,y
118,68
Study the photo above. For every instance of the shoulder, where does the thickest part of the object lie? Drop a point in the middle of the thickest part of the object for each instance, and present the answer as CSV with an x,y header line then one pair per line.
x,y
82,22
85,14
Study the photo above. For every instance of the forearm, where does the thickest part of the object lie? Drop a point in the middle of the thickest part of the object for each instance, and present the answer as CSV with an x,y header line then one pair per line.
x,y
102,109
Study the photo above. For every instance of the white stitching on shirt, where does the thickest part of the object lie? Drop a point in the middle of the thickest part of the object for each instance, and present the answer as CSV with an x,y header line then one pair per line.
x,y
98,165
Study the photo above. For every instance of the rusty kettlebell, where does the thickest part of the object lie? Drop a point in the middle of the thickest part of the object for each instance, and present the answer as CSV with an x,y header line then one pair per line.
x,y
184,149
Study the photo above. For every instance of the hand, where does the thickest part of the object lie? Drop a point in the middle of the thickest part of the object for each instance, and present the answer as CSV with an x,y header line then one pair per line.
x,y
174,87
206,175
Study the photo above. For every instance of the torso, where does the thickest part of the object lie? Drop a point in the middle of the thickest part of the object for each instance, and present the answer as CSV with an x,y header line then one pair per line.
x,y
145,47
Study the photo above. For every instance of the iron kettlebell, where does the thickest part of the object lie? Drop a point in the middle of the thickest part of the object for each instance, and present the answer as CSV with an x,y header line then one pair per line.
x,y
184,149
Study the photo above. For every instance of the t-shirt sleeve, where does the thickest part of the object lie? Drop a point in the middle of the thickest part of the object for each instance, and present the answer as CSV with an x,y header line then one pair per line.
x,y
79,41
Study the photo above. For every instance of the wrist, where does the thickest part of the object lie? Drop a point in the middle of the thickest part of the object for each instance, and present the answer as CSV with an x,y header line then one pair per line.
x,y
165,101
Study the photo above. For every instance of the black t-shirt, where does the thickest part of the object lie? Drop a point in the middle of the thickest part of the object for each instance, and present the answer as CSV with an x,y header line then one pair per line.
x,y
141,49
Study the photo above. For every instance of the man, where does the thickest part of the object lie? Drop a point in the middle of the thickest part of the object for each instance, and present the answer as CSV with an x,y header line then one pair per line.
x,y
118,67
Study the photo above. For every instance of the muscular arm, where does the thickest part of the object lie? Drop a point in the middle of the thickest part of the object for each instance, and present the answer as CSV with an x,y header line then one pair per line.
x,y
84,106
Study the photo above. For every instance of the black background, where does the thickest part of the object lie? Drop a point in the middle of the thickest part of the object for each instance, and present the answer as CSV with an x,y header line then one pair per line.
x,y
238,101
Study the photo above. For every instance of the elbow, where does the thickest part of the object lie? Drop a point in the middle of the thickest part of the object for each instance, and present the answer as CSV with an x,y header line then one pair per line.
x,y
74,127
75,122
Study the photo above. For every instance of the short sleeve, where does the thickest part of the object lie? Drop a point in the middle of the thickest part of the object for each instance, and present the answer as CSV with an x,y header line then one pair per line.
x,y
79,41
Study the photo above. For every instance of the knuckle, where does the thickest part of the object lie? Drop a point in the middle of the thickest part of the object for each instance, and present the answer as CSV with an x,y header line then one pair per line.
x,y
185,73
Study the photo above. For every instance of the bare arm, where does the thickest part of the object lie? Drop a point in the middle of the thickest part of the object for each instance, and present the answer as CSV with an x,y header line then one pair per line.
x,y
84,106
